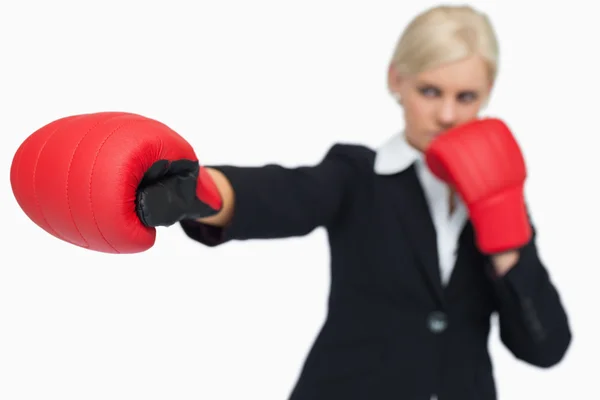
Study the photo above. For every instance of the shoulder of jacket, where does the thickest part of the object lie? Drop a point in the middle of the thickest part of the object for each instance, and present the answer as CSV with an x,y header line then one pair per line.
x,y
356,153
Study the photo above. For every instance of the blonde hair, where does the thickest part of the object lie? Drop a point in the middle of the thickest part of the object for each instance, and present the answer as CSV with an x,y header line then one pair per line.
x,y
446,34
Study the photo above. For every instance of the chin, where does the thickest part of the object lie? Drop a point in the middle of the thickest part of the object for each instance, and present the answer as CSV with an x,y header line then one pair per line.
x,y
426,142
433,135
422,146
421,142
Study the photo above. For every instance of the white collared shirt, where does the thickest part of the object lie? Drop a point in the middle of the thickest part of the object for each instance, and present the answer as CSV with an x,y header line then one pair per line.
x,y
395,156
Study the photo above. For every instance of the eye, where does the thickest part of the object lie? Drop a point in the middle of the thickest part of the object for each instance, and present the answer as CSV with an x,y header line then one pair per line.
x,y
429,91
467,97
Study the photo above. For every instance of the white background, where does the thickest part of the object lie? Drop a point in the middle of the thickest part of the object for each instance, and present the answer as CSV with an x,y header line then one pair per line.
x,y
247,83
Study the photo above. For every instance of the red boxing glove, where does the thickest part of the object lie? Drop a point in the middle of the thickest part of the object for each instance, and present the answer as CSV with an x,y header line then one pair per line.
x,y
483,162
78,177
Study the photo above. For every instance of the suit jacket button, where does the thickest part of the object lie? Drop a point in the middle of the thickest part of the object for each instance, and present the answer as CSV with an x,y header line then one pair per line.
x,y
437,322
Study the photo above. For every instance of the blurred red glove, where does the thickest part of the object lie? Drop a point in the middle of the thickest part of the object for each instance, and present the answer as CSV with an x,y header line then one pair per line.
x,y
484,164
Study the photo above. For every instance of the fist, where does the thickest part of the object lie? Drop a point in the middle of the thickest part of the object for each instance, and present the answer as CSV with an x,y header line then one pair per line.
x,y
484,164
77,177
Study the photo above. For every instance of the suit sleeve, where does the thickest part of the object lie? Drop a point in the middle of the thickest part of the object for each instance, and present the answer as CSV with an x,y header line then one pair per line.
x,y
533,322
273,202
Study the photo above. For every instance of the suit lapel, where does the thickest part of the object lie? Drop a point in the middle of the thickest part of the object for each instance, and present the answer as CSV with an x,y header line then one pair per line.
x,y
410,207
467,256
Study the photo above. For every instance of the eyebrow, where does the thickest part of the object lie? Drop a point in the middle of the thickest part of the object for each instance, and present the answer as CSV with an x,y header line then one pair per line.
x,y
425,83
429,84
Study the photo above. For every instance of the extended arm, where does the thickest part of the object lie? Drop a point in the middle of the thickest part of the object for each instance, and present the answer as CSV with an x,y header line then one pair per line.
x,y
272,201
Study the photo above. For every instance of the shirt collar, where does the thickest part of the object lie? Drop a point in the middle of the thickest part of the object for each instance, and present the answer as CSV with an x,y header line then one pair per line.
x,y
395,155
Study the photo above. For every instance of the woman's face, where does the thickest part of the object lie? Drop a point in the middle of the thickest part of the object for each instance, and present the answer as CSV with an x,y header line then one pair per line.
x,y
441,98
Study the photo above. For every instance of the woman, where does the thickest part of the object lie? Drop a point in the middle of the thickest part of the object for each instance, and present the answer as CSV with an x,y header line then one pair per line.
x,y
411,293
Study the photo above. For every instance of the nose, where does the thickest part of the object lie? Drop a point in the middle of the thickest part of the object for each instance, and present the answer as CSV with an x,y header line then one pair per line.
x,y
447,113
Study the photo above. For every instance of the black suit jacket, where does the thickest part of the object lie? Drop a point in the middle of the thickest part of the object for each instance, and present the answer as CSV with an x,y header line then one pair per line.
x,y
392,330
